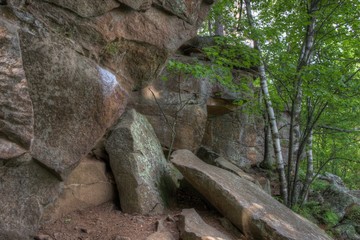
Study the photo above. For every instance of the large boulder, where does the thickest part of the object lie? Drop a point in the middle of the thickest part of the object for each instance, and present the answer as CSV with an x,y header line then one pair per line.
x,y
74,102
139,166
254,212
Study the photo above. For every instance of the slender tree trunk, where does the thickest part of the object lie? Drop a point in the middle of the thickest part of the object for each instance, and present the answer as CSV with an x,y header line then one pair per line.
x,y
309,169
295,135
268,162
270,110
210,27
219,28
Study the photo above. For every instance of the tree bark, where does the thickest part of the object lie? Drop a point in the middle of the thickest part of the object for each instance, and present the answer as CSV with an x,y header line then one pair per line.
x,y
268,162
219,27
309,168
270,110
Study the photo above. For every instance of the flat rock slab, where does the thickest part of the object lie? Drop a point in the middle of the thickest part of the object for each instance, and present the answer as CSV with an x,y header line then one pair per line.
x,y
254,212
193,227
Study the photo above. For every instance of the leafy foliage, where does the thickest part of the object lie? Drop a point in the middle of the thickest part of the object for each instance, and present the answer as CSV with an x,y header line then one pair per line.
x,y
318,213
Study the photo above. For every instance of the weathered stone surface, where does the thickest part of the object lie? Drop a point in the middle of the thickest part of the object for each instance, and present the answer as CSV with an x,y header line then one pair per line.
x,y
254,212
225,164
185,10
138,164
155,26
87,186
87,8
138,63
74,102
141,5
16,113
26,189
193,227
237,137
178,104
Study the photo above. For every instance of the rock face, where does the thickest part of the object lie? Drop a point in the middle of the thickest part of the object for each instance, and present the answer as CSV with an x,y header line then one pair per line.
x,y
254,212
176,108
74,102
87,186
192,227
202,113
66,68
26,190
240,140
139,166
16,113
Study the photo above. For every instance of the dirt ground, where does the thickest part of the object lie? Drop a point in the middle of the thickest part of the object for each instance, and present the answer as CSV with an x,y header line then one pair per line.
x,y
107,222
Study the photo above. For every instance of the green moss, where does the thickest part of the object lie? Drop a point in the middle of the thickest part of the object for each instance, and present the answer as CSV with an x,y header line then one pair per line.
x,y
330,218
318,213
112,48
310,210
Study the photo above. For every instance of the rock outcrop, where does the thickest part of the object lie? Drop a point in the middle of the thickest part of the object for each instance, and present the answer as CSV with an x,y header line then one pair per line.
x,y
253,211
139,165
335,205
176,108
66,70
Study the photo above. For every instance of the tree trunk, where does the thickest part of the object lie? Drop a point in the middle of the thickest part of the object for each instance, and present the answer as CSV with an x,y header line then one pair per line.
x,y
267,162
219,27
295,135
309,169
210,27
270,111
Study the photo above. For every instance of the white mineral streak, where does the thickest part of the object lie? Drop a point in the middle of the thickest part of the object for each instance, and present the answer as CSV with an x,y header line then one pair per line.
x,y
109,81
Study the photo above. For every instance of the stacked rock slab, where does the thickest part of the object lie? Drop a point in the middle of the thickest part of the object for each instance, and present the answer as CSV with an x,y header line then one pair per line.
x,y
66,68
254,212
